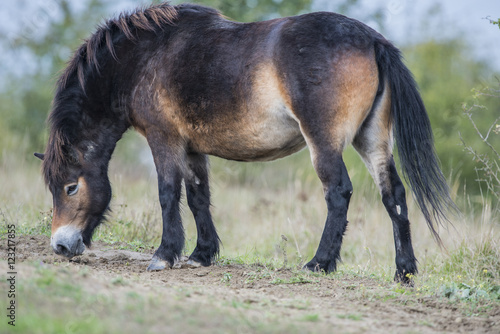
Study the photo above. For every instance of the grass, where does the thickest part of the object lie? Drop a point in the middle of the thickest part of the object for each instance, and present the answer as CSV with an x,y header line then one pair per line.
x,y
270,218
60,303
356,317
311,317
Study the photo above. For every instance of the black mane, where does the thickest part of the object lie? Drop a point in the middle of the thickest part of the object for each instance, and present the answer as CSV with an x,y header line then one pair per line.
x,y
145,19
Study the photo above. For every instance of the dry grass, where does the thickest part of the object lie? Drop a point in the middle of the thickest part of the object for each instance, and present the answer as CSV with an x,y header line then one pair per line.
x,y
255,205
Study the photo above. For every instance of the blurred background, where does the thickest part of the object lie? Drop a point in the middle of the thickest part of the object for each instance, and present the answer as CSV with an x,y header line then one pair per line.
x,y
452,48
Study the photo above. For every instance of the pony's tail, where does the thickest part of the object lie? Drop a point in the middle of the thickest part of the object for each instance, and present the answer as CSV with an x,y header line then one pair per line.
x,y
414,138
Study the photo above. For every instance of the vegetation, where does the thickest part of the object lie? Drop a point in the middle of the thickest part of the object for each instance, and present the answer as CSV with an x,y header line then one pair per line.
x,y
446,75
248,11
269,216
487,165
444,69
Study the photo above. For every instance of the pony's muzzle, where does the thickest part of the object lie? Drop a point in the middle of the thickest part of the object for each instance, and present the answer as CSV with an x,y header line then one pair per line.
x,y
67,241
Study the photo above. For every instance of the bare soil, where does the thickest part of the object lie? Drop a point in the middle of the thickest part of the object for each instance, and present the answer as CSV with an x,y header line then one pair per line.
x,y
317,304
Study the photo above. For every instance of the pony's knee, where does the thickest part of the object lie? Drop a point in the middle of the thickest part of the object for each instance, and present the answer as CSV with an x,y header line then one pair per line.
x,y
339,196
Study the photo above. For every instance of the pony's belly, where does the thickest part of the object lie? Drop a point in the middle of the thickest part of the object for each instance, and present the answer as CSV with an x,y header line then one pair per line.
x,y
270,145
273,136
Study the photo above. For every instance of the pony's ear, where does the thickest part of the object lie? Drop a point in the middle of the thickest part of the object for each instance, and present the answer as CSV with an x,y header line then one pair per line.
x,y
39,155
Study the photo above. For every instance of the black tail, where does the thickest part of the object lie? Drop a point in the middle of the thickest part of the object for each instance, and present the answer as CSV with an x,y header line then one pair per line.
x,y
414,138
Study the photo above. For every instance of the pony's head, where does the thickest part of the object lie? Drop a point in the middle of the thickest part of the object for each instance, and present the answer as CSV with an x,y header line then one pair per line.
x,y
81,193
82,137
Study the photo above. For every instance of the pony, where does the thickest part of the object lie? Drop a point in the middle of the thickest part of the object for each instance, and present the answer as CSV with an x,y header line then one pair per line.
x,y
195,83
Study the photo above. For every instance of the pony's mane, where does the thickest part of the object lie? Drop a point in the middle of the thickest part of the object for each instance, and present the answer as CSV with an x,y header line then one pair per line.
x,y
145,19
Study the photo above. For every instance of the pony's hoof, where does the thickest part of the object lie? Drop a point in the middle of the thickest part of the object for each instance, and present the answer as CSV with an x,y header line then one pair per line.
x,y
404,280
157,264
313,266
192,264
180,263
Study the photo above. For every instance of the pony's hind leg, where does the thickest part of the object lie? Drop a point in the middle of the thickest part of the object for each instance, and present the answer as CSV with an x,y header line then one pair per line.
x,y
330,110
394,199
198,198
338,190
374,144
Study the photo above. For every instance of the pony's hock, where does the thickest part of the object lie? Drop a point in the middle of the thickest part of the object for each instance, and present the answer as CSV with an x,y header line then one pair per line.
x,y
196,84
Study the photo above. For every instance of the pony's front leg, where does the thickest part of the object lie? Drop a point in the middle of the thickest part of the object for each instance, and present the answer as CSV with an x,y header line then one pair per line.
x,y
198,198
169,187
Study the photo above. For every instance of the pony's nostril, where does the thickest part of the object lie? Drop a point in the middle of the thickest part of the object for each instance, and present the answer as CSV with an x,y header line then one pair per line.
x,y
61,250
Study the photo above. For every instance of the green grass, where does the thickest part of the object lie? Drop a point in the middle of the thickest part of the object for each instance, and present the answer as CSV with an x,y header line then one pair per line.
x,y
40,225
311,317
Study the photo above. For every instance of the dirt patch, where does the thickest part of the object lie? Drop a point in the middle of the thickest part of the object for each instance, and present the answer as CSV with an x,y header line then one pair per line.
x,y
348,304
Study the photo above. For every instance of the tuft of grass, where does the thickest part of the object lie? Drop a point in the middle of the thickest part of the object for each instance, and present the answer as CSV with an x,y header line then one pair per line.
x,y
118,280
350,316
311,317
477,261
227,261
293,280
41,224
226,278
470,272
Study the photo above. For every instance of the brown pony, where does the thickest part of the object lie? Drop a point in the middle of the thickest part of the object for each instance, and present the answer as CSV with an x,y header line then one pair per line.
x,y
196,84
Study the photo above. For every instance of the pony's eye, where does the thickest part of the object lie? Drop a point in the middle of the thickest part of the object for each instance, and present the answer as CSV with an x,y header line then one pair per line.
x,y
71,189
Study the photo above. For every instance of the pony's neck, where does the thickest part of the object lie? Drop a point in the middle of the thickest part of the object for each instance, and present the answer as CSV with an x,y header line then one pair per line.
x,y
101,139
93,131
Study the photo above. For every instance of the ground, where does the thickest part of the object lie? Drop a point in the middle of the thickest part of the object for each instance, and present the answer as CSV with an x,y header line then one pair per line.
x,y
108,289
270,218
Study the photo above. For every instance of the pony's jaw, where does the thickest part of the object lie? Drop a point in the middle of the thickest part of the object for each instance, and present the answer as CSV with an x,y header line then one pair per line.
x,y
67,241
